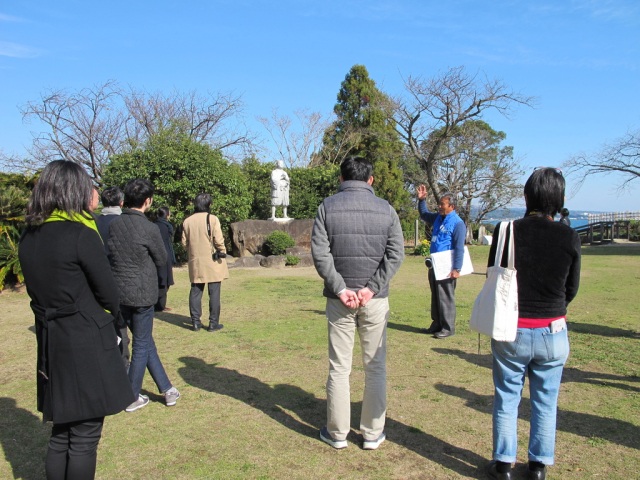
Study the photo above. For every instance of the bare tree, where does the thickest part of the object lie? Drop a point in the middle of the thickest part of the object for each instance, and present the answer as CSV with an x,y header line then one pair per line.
x,y
342,145
621,157
92,124
473,164
215,119
296,145
427,119
84,127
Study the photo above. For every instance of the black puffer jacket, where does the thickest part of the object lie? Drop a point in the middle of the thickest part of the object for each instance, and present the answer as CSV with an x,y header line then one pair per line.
x,y
136,250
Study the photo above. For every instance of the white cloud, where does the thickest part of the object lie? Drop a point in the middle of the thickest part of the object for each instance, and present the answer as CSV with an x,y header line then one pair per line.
x,y
9,18
15,50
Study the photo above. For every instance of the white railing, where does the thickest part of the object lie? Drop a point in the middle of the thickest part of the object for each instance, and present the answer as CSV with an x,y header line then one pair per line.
x,y
613,217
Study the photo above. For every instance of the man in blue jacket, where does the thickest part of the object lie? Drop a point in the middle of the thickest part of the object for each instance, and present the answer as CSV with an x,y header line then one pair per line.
x,y
357,246
448,233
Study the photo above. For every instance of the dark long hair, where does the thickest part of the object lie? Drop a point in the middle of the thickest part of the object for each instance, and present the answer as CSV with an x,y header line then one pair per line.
x,y
544,192
62,185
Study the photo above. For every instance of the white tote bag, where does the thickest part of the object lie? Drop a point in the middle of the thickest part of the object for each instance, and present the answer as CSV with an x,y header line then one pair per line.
x,y
495,311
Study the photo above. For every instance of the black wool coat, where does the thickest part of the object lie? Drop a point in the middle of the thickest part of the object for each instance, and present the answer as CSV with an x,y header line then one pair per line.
x,y
165,272
80,373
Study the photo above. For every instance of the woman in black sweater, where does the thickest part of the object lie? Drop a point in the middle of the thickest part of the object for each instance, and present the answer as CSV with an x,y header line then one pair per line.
x,y
547,258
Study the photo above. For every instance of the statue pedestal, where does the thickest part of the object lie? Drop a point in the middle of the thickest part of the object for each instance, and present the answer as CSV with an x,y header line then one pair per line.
x,y
248,236
281,220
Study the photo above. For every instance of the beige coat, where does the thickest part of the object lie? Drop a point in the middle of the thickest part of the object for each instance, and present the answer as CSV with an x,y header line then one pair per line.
x,y
202,268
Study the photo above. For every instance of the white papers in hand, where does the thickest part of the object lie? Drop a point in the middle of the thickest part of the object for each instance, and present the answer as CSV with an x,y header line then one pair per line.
x,y
443,264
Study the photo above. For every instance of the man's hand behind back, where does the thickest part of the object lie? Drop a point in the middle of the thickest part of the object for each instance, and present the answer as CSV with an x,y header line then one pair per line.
x,y
349,299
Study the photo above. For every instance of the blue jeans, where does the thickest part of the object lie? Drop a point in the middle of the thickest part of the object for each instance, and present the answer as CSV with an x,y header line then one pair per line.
x,y
144,353
542,355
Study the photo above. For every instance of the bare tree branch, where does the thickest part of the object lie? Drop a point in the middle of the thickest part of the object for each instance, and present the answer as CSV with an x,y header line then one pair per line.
x,y
434,108
83,127
295,146
621,157
92,124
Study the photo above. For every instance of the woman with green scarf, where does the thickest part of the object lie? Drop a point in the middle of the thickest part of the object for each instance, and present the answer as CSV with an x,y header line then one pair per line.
x,y
80,374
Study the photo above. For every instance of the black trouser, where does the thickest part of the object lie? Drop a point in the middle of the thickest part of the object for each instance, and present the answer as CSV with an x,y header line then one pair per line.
x,y
443,302
195,303
162,299
73,450
126,355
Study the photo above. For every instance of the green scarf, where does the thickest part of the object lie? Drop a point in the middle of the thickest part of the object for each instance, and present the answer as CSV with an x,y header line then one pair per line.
x,y
62,216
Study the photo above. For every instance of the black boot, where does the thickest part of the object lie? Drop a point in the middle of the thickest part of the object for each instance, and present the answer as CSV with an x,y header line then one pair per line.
x,y
493,472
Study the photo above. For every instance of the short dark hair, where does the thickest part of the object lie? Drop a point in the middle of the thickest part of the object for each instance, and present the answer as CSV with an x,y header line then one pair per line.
x,y
544,191
62,185
137,191
450,197
564,212
112,197
202,203
163,212
356,168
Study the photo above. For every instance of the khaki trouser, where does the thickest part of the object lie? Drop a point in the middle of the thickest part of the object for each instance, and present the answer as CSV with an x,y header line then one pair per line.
x,y
371,324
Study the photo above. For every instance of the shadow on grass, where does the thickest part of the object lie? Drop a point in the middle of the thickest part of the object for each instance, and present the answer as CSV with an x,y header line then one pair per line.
x,y
175,319
601,330
24,440
317,312
482,360
583,424
569,374
404,328
277,401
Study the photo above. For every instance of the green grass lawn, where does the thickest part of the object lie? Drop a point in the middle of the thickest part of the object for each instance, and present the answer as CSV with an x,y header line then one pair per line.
x,y
253,395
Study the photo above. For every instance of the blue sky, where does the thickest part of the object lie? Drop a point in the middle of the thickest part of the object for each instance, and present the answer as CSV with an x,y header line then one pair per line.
x,y
579,58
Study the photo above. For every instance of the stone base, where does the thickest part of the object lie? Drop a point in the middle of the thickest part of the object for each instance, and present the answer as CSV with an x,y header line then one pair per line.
x,y
248,237
281,220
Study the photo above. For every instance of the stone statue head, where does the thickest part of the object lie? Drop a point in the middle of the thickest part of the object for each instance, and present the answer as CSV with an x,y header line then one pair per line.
x,y
280,164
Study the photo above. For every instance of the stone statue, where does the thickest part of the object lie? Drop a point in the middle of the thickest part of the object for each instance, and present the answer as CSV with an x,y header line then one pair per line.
x,y
279,190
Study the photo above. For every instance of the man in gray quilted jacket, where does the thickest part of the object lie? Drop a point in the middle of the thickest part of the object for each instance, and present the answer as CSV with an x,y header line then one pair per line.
x,y
357,246
137,250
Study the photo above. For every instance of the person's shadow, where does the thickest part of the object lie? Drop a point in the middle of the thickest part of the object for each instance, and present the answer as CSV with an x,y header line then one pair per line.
x,y
586,425
601,330
24,440
569,374
175,319
277,400
403,327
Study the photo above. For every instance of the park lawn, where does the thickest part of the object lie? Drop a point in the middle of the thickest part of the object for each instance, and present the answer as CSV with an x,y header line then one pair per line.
x,y
253,395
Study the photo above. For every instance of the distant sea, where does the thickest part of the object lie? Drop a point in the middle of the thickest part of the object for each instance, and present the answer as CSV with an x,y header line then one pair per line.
x,y
578,218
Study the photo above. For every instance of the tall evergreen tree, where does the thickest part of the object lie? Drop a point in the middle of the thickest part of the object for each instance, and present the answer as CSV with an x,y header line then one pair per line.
x,y
364,126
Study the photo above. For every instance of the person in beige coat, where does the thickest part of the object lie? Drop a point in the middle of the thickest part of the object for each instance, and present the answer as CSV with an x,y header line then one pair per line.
x,y
203,239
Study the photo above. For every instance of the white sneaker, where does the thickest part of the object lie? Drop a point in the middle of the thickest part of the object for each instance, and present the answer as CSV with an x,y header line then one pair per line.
x,y
327,438
171,396
139,403
373,444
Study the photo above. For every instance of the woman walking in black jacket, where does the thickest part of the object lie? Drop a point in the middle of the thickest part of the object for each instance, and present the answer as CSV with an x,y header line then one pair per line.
x,y
80,374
